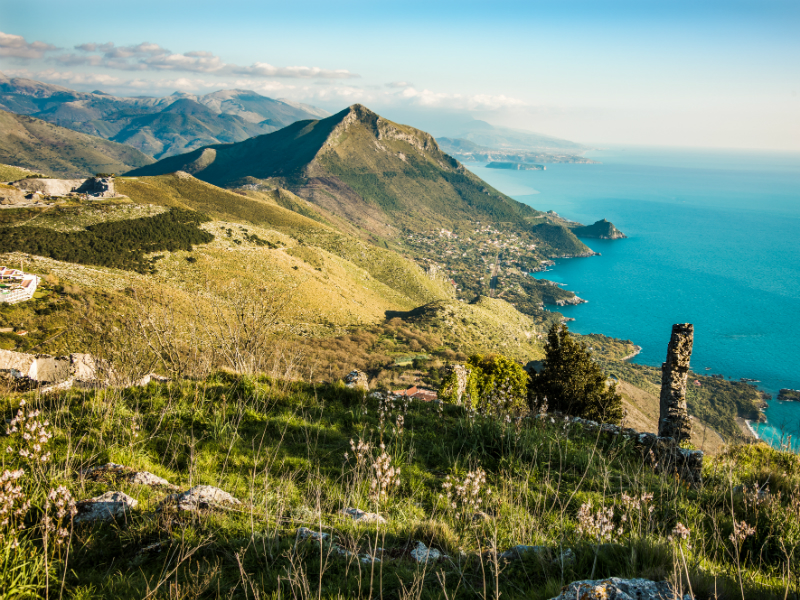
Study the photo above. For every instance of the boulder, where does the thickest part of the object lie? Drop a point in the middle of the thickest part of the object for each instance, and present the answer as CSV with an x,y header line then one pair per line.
x,y
203,497
615,588
422,554
111,506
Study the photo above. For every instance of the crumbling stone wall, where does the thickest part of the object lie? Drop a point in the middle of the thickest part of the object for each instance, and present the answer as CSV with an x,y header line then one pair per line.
x,y
674,419
357,379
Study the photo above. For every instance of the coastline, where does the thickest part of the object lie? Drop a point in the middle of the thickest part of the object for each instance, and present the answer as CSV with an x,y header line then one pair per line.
x,y
637,350
747,428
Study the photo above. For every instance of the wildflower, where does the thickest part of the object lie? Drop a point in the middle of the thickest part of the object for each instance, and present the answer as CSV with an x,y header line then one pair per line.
x,y
467,495
60,503
385,478
679,533
13,504
741,530
598,525
32,434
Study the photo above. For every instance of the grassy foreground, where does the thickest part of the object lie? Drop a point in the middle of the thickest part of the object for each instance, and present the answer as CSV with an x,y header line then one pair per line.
x,y
284,449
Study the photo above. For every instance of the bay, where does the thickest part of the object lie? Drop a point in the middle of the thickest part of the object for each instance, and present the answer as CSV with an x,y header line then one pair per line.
x,y
713,240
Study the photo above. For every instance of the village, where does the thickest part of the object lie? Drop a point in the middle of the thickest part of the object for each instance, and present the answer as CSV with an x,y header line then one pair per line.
x,y
485,260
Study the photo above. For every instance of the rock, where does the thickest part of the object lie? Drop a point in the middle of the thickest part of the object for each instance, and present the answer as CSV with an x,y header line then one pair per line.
x,y
150,480
423,554
204,497
111,506
98,187
114,472
363,517
306,533
357,379
601,229
674,420
615,588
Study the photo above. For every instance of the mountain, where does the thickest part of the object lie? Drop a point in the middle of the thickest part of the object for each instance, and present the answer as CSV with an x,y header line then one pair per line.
x,y
156,126
468,151
484,134
380,175
41,146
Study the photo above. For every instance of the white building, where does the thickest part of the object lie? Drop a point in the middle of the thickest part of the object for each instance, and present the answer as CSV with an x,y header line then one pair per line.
x,y
16,286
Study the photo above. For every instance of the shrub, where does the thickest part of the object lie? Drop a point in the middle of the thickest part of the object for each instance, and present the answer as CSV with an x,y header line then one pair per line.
x,y
571,382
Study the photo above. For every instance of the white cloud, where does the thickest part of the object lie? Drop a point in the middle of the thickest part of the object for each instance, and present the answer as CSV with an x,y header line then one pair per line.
x,y
399,84
65,77
17,47
153,57
471,102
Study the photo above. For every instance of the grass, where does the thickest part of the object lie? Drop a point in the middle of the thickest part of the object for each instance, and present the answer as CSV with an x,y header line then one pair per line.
x,y
280,447
43,147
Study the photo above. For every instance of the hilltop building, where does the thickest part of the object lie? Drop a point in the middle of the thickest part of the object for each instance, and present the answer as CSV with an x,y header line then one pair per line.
x,y
16,286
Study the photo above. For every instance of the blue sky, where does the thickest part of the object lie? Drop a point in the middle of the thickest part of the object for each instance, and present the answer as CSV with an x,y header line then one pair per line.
x,y
717,74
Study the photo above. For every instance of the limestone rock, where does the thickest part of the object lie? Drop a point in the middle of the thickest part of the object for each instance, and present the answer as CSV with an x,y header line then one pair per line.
x,y
357,379
115,472
615,588
111,506
204,497
363,517
305,533
674,419
423,554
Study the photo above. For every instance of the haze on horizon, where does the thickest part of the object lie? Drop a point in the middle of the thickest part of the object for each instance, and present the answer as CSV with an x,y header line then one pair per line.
x,y
690,74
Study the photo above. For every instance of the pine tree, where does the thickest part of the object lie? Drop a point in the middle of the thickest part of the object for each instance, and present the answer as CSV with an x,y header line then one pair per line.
x,y
572,382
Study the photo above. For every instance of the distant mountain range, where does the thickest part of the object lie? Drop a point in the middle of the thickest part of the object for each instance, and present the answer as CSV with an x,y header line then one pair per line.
x,y
158,127
484,135
46,148
468,151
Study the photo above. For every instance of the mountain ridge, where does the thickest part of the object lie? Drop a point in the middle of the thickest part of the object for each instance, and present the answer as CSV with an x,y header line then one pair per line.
x,y
230,116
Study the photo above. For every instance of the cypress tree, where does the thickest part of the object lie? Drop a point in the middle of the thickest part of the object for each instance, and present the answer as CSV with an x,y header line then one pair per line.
x,y
572,382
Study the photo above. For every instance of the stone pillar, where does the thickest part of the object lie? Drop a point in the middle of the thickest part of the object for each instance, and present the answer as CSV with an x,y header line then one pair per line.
x,y
674,419
459,387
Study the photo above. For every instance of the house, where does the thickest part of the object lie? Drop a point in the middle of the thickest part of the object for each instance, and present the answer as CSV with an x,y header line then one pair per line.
x,y
16,286
418,393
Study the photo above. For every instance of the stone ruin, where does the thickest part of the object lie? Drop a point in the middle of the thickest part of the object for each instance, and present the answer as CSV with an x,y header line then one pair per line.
x,y
674,419
33,188
460,384
357,379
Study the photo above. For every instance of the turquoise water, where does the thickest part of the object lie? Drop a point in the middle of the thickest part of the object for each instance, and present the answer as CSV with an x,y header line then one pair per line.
x,y
713,239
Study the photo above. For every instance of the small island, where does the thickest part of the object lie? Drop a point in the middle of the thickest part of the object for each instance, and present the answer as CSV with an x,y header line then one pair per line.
x,y
516,166
603,230
786,394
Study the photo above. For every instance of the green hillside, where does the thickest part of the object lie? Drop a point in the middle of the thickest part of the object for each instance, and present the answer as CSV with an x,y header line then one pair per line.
x,y
40,146
374,173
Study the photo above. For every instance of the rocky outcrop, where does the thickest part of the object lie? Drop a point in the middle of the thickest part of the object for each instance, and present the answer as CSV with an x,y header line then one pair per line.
x,y
574,301
602,229
615,588
44,369
97,187
111,506
357,379
674,420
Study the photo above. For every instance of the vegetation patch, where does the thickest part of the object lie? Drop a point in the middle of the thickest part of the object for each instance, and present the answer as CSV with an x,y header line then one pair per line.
x,y
120,244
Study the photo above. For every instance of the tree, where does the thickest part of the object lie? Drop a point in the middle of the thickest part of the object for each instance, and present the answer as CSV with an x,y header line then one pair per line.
x,y
572,382
495,385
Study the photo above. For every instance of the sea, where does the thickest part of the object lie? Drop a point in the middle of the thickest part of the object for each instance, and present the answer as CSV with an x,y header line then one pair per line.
x,y
713,240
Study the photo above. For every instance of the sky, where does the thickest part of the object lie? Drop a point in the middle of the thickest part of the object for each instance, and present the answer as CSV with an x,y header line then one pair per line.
x,y
689,74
